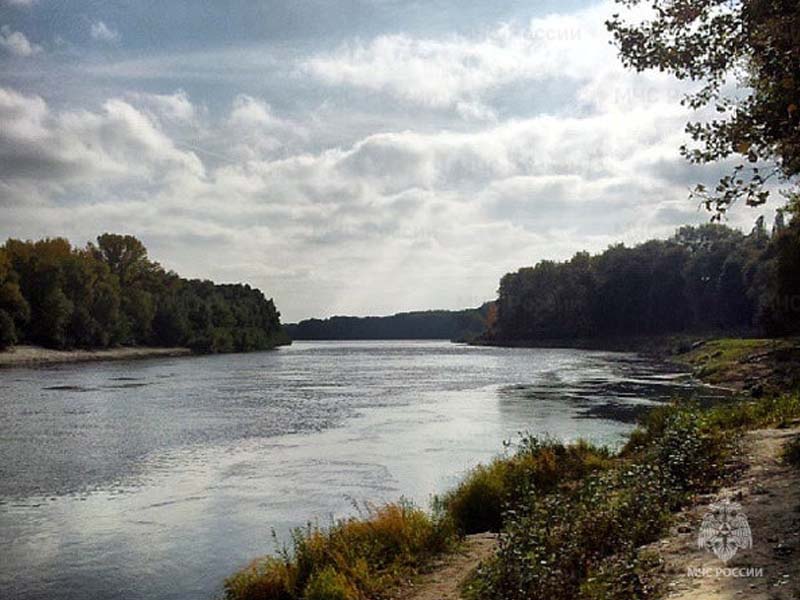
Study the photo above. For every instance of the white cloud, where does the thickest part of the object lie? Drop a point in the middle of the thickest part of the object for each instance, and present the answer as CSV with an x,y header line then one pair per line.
x,y
175,107
102,32
81,147
458,71
15,42
23,3
248,111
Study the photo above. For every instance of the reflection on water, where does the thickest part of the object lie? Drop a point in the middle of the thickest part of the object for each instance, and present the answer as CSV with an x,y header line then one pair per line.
x,y
156,479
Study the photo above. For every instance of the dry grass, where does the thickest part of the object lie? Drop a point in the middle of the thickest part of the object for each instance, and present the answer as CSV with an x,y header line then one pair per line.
x,y
355,559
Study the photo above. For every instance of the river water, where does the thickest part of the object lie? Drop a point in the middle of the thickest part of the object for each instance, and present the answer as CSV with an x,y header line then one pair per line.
x,y
155,479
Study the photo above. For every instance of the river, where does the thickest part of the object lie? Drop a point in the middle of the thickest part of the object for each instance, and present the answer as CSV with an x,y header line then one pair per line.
x,y
155,479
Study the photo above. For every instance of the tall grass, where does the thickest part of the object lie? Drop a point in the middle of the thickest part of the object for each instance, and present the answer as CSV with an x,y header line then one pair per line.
x,y
354,559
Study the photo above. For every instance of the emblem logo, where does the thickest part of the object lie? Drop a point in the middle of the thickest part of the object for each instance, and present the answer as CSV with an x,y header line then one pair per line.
x,y
725,530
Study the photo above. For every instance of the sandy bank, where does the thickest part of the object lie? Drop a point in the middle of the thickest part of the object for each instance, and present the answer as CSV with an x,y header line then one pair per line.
x,y
27,356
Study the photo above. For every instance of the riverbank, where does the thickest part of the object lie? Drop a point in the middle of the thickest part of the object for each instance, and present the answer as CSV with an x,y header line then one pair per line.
x,y
768,491
754,366
575,521
32,356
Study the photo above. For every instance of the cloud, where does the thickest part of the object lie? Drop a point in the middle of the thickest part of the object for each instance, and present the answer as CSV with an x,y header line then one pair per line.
x,y
174,107
248,111
457,71
102,32
23,3
15,42
81,147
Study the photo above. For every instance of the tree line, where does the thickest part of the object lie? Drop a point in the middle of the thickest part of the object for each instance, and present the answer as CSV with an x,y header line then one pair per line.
x,y
432,324
110,294
703,278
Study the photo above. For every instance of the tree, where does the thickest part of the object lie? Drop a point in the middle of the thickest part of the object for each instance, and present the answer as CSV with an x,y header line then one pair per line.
x,y
756,43
12,302
8,334
125,256
55,314
111,293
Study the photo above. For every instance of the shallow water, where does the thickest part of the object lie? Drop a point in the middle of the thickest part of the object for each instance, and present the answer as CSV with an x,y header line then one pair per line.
x,y
155,479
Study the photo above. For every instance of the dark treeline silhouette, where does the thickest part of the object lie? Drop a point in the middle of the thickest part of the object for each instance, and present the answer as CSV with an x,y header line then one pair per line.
x,y
110,293
432,324
704,278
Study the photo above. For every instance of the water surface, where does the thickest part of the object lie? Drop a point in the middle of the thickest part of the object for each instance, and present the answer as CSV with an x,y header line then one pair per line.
x,y
155,479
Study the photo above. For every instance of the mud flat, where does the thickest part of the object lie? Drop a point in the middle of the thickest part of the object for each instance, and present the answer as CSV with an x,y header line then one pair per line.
x,y
31,356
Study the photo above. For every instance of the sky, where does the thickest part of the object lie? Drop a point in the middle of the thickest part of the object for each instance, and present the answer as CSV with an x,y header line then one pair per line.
x,y
345,156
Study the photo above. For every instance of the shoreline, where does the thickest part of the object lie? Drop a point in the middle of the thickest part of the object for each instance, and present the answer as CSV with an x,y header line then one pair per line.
x,y
658,345
36,356
685,457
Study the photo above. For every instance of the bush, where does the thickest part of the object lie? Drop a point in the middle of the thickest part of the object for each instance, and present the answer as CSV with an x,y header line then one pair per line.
x,y
329,584
581,540
479,502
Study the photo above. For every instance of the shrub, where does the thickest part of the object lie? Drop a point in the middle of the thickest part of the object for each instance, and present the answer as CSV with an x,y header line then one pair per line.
x,y
581,540
329,584
479,502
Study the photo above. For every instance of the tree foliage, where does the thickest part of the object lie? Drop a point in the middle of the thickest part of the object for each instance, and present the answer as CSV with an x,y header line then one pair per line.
x,y
432,324
702,278
747,56
112,294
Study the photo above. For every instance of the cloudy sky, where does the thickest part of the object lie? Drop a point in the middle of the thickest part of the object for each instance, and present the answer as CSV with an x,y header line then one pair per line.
x,y
345,156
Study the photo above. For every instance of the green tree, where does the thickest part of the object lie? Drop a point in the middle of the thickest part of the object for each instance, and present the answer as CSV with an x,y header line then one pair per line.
x,y
713,42
8,333
111,293
125,256
12,302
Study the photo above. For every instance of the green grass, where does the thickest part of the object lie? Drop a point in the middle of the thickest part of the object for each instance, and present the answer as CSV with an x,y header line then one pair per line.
x,y
714,359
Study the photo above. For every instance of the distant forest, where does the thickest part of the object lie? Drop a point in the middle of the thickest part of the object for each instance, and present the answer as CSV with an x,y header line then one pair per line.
x,y
455,325
704,278
110,294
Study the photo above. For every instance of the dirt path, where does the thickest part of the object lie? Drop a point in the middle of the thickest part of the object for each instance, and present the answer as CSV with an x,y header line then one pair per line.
x,y
444,581
769,494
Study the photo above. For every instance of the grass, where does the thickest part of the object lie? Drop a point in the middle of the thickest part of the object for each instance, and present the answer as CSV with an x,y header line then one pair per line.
x,y
354,559
714,360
